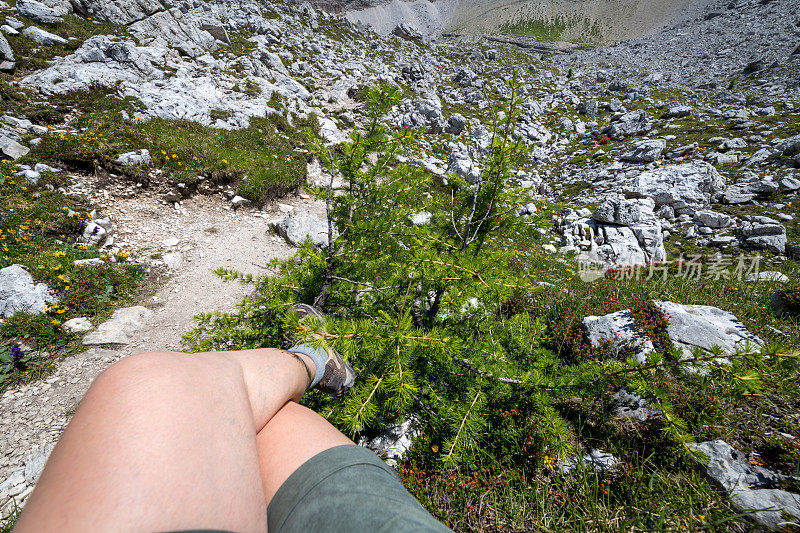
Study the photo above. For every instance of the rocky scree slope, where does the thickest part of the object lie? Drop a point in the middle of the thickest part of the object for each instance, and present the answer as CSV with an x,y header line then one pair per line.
x,y
629,166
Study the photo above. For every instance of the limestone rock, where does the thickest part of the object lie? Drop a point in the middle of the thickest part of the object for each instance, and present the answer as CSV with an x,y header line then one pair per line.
x,y
331,132
140,157
703,326
395,441
43,37
620,332
763,233
299,225
752,488
119,328
12,148
645,151
407,32
686,187
19,293
421,218
596,459
628,124
631,406
78,325
34,463
239,201
6,52
38,11
790,146
177,30
678,111
712,219
461,165
290,87
789,184
464,77
600,460
627,212
588,108
748,188
621,232
455,124
768,275
119,11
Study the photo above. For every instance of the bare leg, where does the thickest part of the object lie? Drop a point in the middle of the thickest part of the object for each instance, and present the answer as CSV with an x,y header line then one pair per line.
x,y
293,436
167,441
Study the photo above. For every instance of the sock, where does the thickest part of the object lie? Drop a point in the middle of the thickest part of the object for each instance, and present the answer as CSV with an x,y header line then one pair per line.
x,y
318,355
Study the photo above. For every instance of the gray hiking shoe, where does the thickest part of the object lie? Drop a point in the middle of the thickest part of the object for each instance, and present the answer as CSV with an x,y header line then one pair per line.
x,y
334,375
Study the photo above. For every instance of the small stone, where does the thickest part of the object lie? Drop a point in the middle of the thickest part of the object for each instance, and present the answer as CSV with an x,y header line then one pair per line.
x,y
141,157
119,328
78,325
43,37
239,201
173,260
768,276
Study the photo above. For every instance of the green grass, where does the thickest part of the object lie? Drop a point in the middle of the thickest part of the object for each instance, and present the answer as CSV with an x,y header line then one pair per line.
x,y
267,159
37,231
553,30
240,44
656,488
675,499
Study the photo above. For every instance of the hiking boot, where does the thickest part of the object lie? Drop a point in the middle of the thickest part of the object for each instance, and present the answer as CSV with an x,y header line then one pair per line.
x,y
334,375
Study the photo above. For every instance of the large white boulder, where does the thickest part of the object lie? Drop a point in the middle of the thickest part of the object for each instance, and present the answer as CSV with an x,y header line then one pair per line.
x,y
19,293
686,188
704,326
299,225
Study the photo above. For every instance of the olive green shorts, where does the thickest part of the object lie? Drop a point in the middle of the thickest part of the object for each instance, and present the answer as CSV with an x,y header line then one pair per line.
x,y
347,488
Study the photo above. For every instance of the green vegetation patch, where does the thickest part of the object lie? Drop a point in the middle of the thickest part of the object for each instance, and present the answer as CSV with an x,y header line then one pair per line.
x,y
462,318
555,29
39,228
267,159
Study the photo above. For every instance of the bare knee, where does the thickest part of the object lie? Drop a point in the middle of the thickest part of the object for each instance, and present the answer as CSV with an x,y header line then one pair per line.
x,y
169,370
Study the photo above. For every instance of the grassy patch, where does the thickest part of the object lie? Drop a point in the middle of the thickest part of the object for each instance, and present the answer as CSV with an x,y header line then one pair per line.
x,y
553,30
511,500
38,229
267,158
